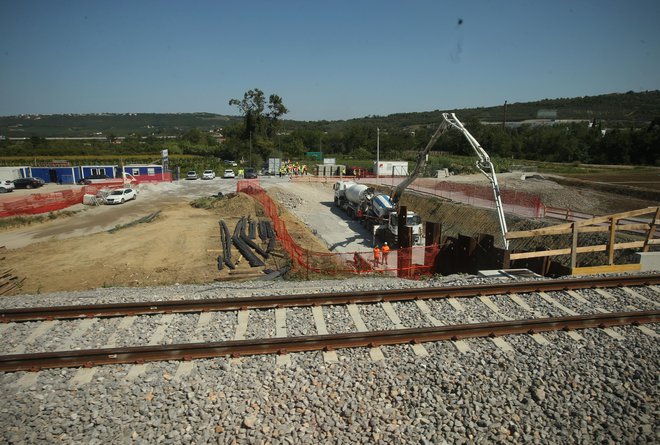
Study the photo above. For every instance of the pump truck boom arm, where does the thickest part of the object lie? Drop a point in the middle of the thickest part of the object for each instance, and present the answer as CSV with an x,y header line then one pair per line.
x,y
485,166
421,161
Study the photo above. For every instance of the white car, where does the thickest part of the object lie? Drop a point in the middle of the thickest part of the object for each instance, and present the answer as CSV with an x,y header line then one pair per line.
x,y
6,185
192,175
208,174
229,173
120,196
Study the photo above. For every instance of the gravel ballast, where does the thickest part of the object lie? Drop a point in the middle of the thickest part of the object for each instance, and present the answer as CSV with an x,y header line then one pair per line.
x,y
599,389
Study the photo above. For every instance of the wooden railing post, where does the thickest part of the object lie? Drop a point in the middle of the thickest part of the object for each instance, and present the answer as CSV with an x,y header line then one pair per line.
x,y
651,233
574,227
610,248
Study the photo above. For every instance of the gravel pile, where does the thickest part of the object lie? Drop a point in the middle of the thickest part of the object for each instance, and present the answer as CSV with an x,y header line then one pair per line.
x,y
597,390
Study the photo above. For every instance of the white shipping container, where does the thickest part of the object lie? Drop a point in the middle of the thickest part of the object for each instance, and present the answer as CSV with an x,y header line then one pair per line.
x,y
391,168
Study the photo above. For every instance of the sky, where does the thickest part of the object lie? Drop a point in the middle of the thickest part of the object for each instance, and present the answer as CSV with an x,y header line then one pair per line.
x,y
328,60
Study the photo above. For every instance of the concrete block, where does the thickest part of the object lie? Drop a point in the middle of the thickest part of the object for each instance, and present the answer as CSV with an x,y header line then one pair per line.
x,y
649,261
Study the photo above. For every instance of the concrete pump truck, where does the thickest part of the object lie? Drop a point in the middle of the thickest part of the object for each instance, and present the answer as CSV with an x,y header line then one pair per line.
x,y
380,210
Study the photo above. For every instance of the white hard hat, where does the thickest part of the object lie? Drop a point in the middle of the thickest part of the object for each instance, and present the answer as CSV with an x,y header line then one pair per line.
x,y
385,244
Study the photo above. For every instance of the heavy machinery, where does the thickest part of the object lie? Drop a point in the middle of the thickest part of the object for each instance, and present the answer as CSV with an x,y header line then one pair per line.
x,y
374,209
379,210
484,165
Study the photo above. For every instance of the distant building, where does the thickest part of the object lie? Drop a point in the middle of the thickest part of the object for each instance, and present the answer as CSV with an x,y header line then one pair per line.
x,y
546,114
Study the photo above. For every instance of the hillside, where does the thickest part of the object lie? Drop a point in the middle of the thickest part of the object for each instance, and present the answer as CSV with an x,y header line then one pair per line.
x,y
636,109
107,124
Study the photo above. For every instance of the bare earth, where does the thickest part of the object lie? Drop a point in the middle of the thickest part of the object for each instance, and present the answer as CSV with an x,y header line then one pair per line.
x,y
182,244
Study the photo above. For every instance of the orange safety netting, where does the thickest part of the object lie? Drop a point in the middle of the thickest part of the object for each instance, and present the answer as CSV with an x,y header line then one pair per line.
x,y
411,262
518,203
44,202
49,202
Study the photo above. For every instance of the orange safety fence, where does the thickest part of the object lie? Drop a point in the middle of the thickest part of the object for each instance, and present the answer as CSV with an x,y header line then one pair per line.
x,y
49,202
411,262
518,203
44,202
156,177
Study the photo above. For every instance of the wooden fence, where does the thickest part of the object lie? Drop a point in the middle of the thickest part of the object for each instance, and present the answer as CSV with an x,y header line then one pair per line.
x,y
644,227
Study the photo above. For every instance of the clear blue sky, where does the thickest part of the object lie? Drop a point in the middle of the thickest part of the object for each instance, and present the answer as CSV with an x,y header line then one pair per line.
x,y
327,60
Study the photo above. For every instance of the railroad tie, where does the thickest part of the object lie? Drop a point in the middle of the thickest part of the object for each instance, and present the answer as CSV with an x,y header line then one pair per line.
x,y
376,352
83,326
85,375
186,367
42,329
417,348
642,297
497,341
281,331
604,293
241,330
574,335
158,335
578,297
321,329
461,345
538,338
5,326
611,332
648,331
30,378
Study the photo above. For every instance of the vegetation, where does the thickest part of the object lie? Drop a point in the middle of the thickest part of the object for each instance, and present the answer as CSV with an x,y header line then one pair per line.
x,y
607,129
11,222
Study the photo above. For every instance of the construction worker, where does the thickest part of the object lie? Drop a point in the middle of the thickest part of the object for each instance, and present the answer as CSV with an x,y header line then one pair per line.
x,y
376,255
386,251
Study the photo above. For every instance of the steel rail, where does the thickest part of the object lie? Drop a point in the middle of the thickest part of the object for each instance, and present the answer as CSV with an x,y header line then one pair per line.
x,y
302,300
237,348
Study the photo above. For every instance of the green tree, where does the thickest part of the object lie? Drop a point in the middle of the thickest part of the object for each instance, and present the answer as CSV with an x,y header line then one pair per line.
x,y
256,120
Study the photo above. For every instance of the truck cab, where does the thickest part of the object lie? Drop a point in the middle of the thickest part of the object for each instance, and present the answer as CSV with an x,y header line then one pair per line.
x,y
412,220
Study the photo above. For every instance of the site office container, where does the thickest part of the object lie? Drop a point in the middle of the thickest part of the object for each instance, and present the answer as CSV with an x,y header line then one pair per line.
x,y
57,175
89,170
144,169
391,168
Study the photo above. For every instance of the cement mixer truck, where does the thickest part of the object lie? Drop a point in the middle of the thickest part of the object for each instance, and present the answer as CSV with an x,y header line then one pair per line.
x,y
375,210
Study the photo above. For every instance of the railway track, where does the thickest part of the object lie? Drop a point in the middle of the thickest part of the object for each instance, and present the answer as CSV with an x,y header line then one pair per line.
x,y
303,300
553,304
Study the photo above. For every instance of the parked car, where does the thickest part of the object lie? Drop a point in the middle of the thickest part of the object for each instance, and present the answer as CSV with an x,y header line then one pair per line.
x,y
229,173
230,162
192,174
92,178
250,173
28,183
6,186
208,174
119,196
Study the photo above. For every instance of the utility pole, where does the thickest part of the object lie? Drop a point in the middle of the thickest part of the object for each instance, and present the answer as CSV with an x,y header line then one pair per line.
x,y
377,152
504,123
250,150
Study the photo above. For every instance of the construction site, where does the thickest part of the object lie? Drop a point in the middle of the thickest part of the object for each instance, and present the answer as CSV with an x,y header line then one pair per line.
x,y
508,307
297,227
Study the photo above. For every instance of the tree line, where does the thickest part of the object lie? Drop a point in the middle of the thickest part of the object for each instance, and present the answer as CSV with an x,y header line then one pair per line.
x,y
262,133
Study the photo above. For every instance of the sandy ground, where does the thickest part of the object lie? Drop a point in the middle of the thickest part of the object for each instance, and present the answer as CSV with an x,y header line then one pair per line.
x,y
314,205
182,244
77,252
